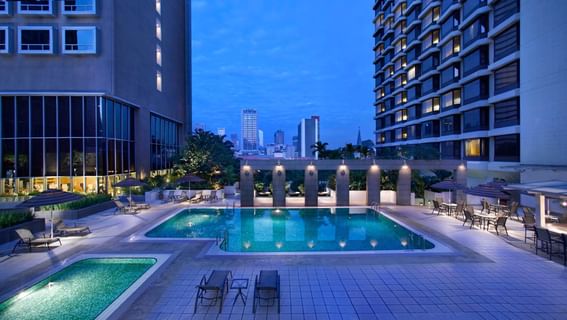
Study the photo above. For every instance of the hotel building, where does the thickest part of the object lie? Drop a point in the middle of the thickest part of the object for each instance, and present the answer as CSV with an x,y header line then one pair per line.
x,y
477,80
308,134
249,131
92,91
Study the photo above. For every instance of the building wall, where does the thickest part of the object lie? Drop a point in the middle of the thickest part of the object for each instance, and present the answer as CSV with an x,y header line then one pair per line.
x,y
543,82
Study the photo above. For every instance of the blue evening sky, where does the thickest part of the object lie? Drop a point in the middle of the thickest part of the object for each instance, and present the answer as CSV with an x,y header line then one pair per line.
x,y
288,59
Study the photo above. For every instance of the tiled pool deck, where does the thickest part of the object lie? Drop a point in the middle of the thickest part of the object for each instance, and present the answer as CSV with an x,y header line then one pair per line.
x,y
485,278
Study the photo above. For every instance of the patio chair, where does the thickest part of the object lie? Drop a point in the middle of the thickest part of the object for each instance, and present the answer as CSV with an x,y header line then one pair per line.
x,y
459,209
546,240
120,206
485,206
267,288
439,208
213,196
499,222
529,225
206,195
140,205
64,230
513,210
198,197
217,284
179,196
27,239
469,216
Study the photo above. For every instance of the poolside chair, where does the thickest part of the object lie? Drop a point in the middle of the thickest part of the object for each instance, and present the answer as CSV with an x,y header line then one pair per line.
x,y
64,230
206,194
529,225
438,207
121,207
198,197
469,216
326,193
267,288
140,205
27,239
513,210
499,222
179,196
459,209
213,288
546,240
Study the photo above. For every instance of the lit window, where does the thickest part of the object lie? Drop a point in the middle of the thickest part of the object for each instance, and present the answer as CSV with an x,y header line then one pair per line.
x,y
35,40
79,40
411,73
158,29
35,6
430,105
158,54
3,7
158,6
473,148
4,40
79,7
158,81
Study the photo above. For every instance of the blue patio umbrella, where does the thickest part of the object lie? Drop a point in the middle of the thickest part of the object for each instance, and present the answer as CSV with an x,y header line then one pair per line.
x,y
489,190
448,185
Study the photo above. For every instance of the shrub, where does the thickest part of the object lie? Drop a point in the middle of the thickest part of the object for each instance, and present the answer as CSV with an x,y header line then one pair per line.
x,y
87,201
10,218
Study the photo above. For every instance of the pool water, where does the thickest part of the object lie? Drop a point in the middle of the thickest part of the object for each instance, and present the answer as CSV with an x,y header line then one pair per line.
x,y
292,230
82,290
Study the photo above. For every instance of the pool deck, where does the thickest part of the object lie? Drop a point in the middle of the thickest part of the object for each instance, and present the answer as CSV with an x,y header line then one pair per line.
x,y
486,277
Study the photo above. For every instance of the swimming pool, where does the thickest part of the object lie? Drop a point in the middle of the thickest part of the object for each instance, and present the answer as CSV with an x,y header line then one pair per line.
x,y
82,290
292,230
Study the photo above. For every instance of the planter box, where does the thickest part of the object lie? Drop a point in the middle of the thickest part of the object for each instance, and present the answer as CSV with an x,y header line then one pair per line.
x,y
9,234
76,214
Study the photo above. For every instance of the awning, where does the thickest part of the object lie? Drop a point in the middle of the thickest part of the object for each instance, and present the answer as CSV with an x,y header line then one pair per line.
x,y
549,188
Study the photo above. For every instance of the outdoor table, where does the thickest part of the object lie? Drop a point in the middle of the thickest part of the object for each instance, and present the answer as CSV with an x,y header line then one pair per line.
x,y
549,218
484,218
450,207
498,207
239,284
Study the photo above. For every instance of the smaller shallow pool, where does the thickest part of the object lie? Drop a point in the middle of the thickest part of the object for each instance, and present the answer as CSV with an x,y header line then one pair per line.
x,y
82,290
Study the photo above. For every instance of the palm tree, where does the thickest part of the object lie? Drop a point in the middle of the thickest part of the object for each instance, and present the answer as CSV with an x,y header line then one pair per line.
x,y
320,148
349,151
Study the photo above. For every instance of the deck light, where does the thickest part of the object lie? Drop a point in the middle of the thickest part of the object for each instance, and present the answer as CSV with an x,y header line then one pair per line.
x,y
373,243
246,244
311,244
279,245
404,242
342,243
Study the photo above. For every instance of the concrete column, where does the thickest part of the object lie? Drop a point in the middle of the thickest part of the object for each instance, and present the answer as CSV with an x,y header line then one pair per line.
x,y
460,175
343,180
246,186
311,186
540,210
278,186
373,184
403,189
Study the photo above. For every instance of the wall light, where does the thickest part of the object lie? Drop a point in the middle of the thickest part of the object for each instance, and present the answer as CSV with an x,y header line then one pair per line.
x,y
311,170
246,169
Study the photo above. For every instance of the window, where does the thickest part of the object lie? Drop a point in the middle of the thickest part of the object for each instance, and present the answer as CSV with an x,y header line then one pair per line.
x,y
401,115
476,119
431,17
3,7
401,98
158,6
414,92
451,125
471,5
37,40
504,9
451,48
79,7
158,81
430,63
507,148
400,45
507,113
476,60
476,90
450,24
429,106
450,74
476,30
400,63
35,6
413,132
430,85
400,28
79,40
430,40
451,99
164,142
158,29
507,42
413,34
476,149
451,150
413,113
430,129
507,78
412,54
4,40
413,72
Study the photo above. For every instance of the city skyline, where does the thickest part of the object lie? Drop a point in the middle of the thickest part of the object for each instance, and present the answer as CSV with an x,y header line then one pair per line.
x,y
286,64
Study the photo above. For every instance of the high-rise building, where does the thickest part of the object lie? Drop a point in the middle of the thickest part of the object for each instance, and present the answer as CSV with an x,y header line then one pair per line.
x,y
279,138
249,131
221,132
234,140
260,138
308,135
92,92
447,76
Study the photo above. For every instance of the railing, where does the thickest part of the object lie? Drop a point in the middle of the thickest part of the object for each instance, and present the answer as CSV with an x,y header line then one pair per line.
x,y
222,239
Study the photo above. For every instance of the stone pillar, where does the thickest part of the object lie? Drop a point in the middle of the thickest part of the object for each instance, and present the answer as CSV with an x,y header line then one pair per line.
x,y
278,186
540,210
343,180
373,184
460,175
246,186
403,189
311,186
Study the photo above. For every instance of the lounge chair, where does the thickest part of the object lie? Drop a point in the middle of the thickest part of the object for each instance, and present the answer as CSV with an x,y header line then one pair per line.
x,y
499,222
141,205
267,288
27,239
293,193
179,196
216,284
121,207
64,230
325,193
198,197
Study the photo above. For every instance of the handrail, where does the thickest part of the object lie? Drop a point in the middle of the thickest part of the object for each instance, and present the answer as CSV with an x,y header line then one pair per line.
x,y
222,239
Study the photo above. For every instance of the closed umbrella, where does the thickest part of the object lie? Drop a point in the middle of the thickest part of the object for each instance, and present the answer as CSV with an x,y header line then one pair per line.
x,y
188,178
129,183
50,197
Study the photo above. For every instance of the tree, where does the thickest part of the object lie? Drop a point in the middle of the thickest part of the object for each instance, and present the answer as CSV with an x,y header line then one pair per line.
x,y
321,148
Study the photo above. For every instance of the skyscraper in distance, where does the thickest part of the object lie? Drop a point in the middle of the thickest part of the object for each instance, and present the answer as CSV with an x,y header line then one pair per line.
x,y
279,138
249,131
221,132
260,138
308,135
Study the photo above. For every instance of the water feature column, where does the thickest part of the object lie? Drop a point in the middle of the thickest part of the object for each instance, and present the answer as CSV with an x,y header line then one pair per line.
x,y
343,181
311,186
278,186
246,186
373,184
403,189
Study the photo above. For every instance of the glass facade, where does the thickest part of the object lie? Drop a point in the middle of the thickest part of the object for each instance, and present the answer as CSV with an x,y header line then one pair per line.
x,y
73,143
164,142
